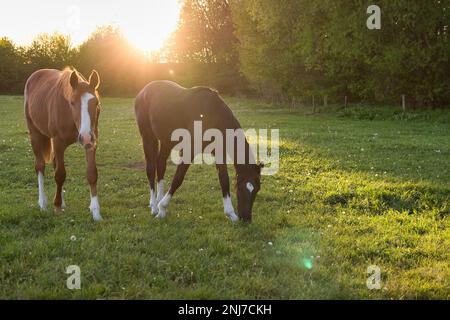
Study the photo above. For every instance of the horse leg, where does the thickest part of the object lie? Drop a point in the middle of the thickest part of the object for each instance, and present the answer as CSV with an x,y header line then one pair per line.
x,y
60,175
92,176
151,156
225,185
39,166
42,148
164,153
176,183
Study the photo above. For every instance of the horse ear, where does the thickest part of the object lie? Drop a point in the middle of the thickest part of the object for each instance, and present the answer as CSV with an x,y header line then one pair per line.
x,y
74,80
94,80
261,166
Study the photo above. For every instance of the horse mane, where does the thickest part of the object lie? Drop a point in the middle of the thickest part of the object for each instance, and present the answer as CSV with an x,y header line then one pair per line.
x,y
200,88
63,83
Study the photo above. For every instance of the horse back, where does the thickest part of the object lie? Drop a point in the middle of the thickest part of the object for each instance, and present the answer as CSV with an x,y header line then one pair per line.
x,y
166,106
41,94
39,84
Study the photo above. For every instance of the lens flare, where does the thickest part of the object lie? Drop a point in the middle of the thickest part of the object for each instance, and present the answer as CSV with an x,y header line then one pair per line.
x,y
307,263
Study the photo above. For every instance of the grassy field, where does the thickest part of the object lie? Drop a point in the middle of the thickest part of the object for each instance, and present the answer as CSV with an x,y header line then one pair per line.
x,y
355,188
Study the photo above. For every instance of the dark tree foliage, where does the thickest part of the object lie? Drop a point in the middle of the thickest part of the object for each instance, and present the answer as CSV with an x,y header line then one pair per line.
x,y
303,47
11,67
122,67
205,41
17,63
50,51
278,49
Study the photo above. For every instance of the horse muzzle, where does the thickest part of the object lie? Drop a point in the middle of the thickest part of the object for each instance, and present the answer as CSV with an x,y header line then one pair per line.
x,y
87,140
245,216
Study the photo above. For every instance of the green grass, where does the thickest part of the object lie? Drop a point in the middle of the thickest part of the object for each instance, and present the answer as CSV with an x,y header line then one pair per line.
x,y
351,192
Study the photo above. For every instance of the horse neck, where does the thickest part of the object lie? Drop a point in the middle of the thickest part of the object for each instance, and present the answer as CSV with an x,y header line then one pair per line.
x,y
62,106
249,160
59,108
61,92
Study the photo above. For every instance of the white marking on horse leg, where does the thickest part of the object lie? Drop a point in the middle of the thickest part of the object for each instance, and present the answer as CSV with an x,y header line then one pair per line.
x,y
95,208
63,204
229,210
162,206
42,197
160,194
153,203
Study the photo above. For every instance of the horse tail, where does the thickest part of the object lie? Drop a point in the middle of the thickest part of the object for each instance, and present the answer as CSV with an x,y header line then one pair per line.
x,y
49,153
45,143
141,111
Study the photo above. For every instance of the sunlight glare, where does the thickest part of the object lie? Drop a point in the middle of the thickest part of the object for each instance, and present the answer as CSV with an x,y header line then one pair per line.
x,y
146,24
150,25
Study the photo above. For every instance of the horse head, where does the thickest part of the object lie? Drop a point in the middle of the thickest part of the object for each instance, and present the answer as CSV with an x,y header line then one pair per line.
x,y
248,184
85,105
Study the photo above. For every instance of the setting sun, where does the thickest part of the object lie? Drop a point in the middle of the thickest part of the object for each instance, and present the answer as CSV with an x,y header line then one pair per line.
x,y
146,24
151,24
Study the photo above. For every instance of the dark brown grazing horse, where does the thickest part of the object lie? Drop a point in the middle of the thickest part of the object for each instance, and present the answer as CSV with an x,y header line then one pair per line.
x,y
163,107
61,108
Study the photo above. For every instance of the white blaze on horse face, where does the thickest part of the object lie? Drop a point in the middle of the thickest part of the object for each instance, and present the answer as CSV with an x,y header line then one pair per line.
x,y
162,206
250,187
95,208
42,196
85,126
229,210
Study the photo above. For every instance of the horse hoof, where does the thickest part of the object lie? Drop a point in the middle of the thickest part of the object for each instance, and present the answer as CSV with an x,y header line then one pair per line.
x,y
58,210
95,209
97,216
43,205
161,214
154,210
233,217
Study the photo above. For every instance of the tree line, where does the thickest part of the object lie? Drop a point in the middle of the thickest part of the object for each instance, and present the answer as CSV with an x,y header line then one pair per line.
x,y
287,50
325,47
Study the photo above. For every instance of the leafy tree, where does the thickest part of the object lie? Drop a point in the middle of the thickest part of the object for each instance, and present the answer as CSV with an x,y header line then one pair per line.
x,y
121,67
272,50
303,47
50,51
283,48
205,33
205,41
11,65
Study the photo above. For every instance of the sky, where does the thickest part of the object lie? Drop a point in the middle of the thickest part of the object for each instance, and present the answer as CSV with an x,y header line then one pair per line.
x,y
145,23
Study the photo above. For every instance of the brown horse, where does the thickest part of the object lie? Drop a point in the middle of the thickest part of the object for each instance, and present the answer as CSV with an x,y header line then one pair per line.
x,y
164,107
61,108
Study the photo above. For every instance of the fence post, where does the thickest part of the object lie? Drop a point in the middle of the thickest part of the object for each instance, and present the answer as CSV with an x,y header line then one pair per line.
x,y
345,106
404,102
325,101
